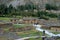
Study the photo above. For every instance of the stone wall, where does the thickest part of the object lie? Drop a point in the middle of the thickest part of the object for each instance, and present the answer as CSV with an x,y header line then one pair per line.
x,y
5,25
55,28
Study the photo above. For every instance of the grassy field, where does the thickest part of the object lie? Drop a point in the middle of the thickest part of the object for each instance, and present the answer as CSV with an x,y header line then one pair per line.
x,y
8,18
21,25
56,32
29,33
4,18
17,26
6,29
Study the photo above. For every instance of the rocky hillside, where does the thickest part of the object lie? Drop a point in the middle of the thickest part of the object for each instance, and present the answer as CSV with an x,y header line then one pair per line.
x,y
22,2
19,2
5,1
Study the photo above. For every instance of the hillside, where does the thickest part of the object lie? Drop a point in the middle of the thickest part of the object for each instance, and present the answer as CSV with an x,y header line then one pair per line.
x,y
36,2
21,2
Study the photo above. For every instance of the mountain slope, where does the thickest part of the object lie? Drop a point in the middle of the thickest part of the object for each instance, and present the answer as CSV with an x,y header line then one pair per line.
x,y
22,2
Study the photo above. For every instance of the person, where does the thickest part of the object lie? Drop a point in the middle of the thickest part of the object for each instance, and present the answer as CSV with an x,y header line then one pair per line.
x,y
43,35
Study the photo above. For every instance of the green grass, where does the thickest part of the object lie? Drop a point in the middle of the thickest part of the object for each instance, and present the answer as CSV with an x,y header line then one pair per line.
x,y
22,25
6,29
58,39
18,16
29,33
4,18
4,38
35,39
56,32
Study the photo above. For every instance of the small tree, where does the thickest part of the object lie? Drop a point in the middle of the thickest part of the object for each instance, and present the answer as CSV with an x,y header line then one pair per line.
x,y
58,17
30,6
3,9
51,7
21,7
52,15
11,10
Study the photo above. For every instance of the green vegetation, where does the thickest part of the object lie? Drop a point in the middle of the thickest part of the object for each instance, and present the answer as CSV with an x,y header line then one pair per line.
x,y
35,39
51,7
4,18
17,26
58,39
56,32
6,29
21,25
29,33
5,38
46,15
20,11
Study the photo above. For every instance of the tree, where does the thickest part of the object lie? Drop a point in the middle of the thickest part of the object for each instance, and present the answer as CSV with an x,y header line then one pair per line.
x,y
21,7
30,6
48,7
58,17
52,15
3,9
42,15
11,10
51,7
